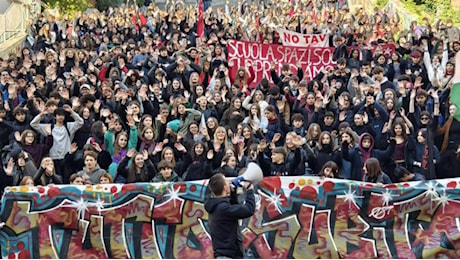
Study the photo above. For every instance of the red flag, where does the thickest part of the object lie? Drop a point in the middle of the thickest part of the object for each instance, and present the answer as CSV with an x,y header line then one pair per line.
x,y
200,25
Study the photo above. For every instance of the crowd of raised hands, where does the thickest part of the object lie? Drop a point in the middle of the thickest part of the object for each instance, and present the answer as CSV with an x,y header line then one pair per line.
x,y
133,94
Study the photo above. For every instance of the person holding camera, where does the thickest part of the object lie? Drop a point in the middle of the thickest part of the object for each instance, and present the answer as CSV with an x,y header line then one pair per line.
x,y
224,213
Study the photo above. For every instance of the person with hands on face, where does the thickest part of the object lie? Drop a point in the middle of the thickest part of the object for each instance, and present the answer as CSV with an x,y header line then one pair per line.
x,y
46,174
224,215
22,168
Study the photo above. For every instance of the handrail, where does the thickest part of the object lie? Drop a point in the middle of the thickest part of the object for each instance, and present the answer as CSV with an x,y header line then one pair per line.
x,y
6,35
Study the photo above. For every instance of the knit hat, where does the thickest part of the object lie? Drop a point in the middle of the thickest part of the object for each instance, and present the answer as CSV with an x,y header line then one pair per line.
x,y
174,125
344,125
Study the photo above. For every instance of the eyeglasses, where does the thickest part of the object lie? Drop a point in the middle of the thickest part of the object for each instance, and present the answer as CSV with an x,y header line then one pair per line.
x,y
424,118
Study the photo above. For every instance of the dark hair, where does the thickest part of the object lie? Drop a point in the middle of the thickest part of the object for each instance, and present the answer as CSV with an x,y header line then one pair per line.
x,y
192,152
399,121
73,177
107,175
400,171
298,117
421,92
59,111
163,164
97,129
342,61
270,108
91,154
280,150
274,91
217,183
87,98
294,78
373,169
333,166
19,110
329,114
378,70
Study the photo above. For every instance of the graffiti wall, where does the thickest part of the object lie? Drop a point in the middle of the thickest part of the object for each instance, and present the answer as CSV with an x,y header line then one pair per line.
x,y
298,217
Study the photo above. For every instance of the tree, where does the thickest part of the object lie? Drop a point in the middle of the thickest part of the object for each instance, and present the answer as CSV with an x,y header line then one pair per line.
x,y
69,7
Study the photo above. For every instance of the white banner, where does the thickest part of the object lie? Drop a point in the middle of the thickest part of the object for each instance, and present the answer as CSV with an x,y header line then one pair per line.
x,y
290,38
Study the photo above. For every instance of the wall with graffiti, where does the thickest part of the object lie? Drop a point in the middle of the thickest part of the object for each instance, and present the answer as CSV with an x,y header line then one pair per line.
x,y
295,218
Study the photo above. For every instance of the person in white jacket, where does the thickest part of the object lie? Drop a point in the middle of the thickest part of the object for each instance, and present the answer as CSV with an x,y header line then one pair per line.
x,y
436,69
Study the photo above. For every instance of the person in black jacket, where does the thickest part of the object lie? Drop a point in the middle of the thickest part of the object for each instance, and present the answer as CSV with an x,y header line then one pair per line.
x,y
224,213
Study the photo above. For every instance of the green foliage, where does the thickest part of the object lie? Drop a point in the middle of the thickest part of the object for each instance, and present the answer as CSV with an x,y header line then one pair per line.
x,y
415,8
434,9
140,2
381,3
69,7
102,5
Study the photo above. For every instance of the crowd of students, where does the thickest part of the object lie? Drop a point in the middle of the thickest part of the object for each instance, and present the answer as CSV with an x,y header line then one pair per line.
x,y
132,94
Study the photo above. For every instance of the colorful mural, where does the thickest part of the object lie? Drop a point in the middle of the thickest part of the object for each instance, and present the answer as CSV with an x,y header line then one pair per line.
x,y
298,217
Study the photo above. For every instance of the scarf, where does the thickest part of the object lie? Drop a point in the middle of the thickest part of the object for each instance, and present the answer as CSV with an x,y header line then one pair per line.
x,y
425,158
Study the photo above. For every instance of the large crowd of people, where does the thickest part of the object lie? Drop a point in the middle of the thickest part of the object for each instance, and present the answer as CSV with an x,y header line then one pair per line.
x,y
133,94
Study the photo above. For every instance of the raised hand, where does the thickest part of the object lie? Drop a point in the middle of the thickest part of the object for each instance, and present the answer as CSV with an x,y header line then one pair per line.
x,y
97,104
385,127
402,112
392,115
17,136
9,167
235,139
180,147
73,148
97,147
131,153
262,145
67,108
204,131
210,154
276,137
130,120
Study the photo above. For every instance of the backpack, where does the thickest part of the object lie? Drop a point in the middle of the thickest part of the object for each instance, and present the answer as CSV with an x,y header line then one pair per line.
x,y
66,128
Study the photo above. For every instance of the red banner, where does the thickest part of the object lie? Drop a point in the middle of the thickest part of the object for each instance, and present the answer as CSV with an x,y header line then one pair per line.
x,y
290,38
260,56
200,27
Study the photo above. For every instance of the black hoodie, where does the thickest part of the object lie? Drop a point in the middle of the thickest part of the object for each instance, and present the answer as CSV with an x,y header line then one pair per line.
x,y
224,213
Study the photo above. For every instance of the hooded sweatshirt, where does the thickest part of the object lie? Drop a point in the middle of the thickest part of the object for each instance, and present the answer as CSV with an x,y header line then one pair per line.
x,y
224,213
358,155
94,175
